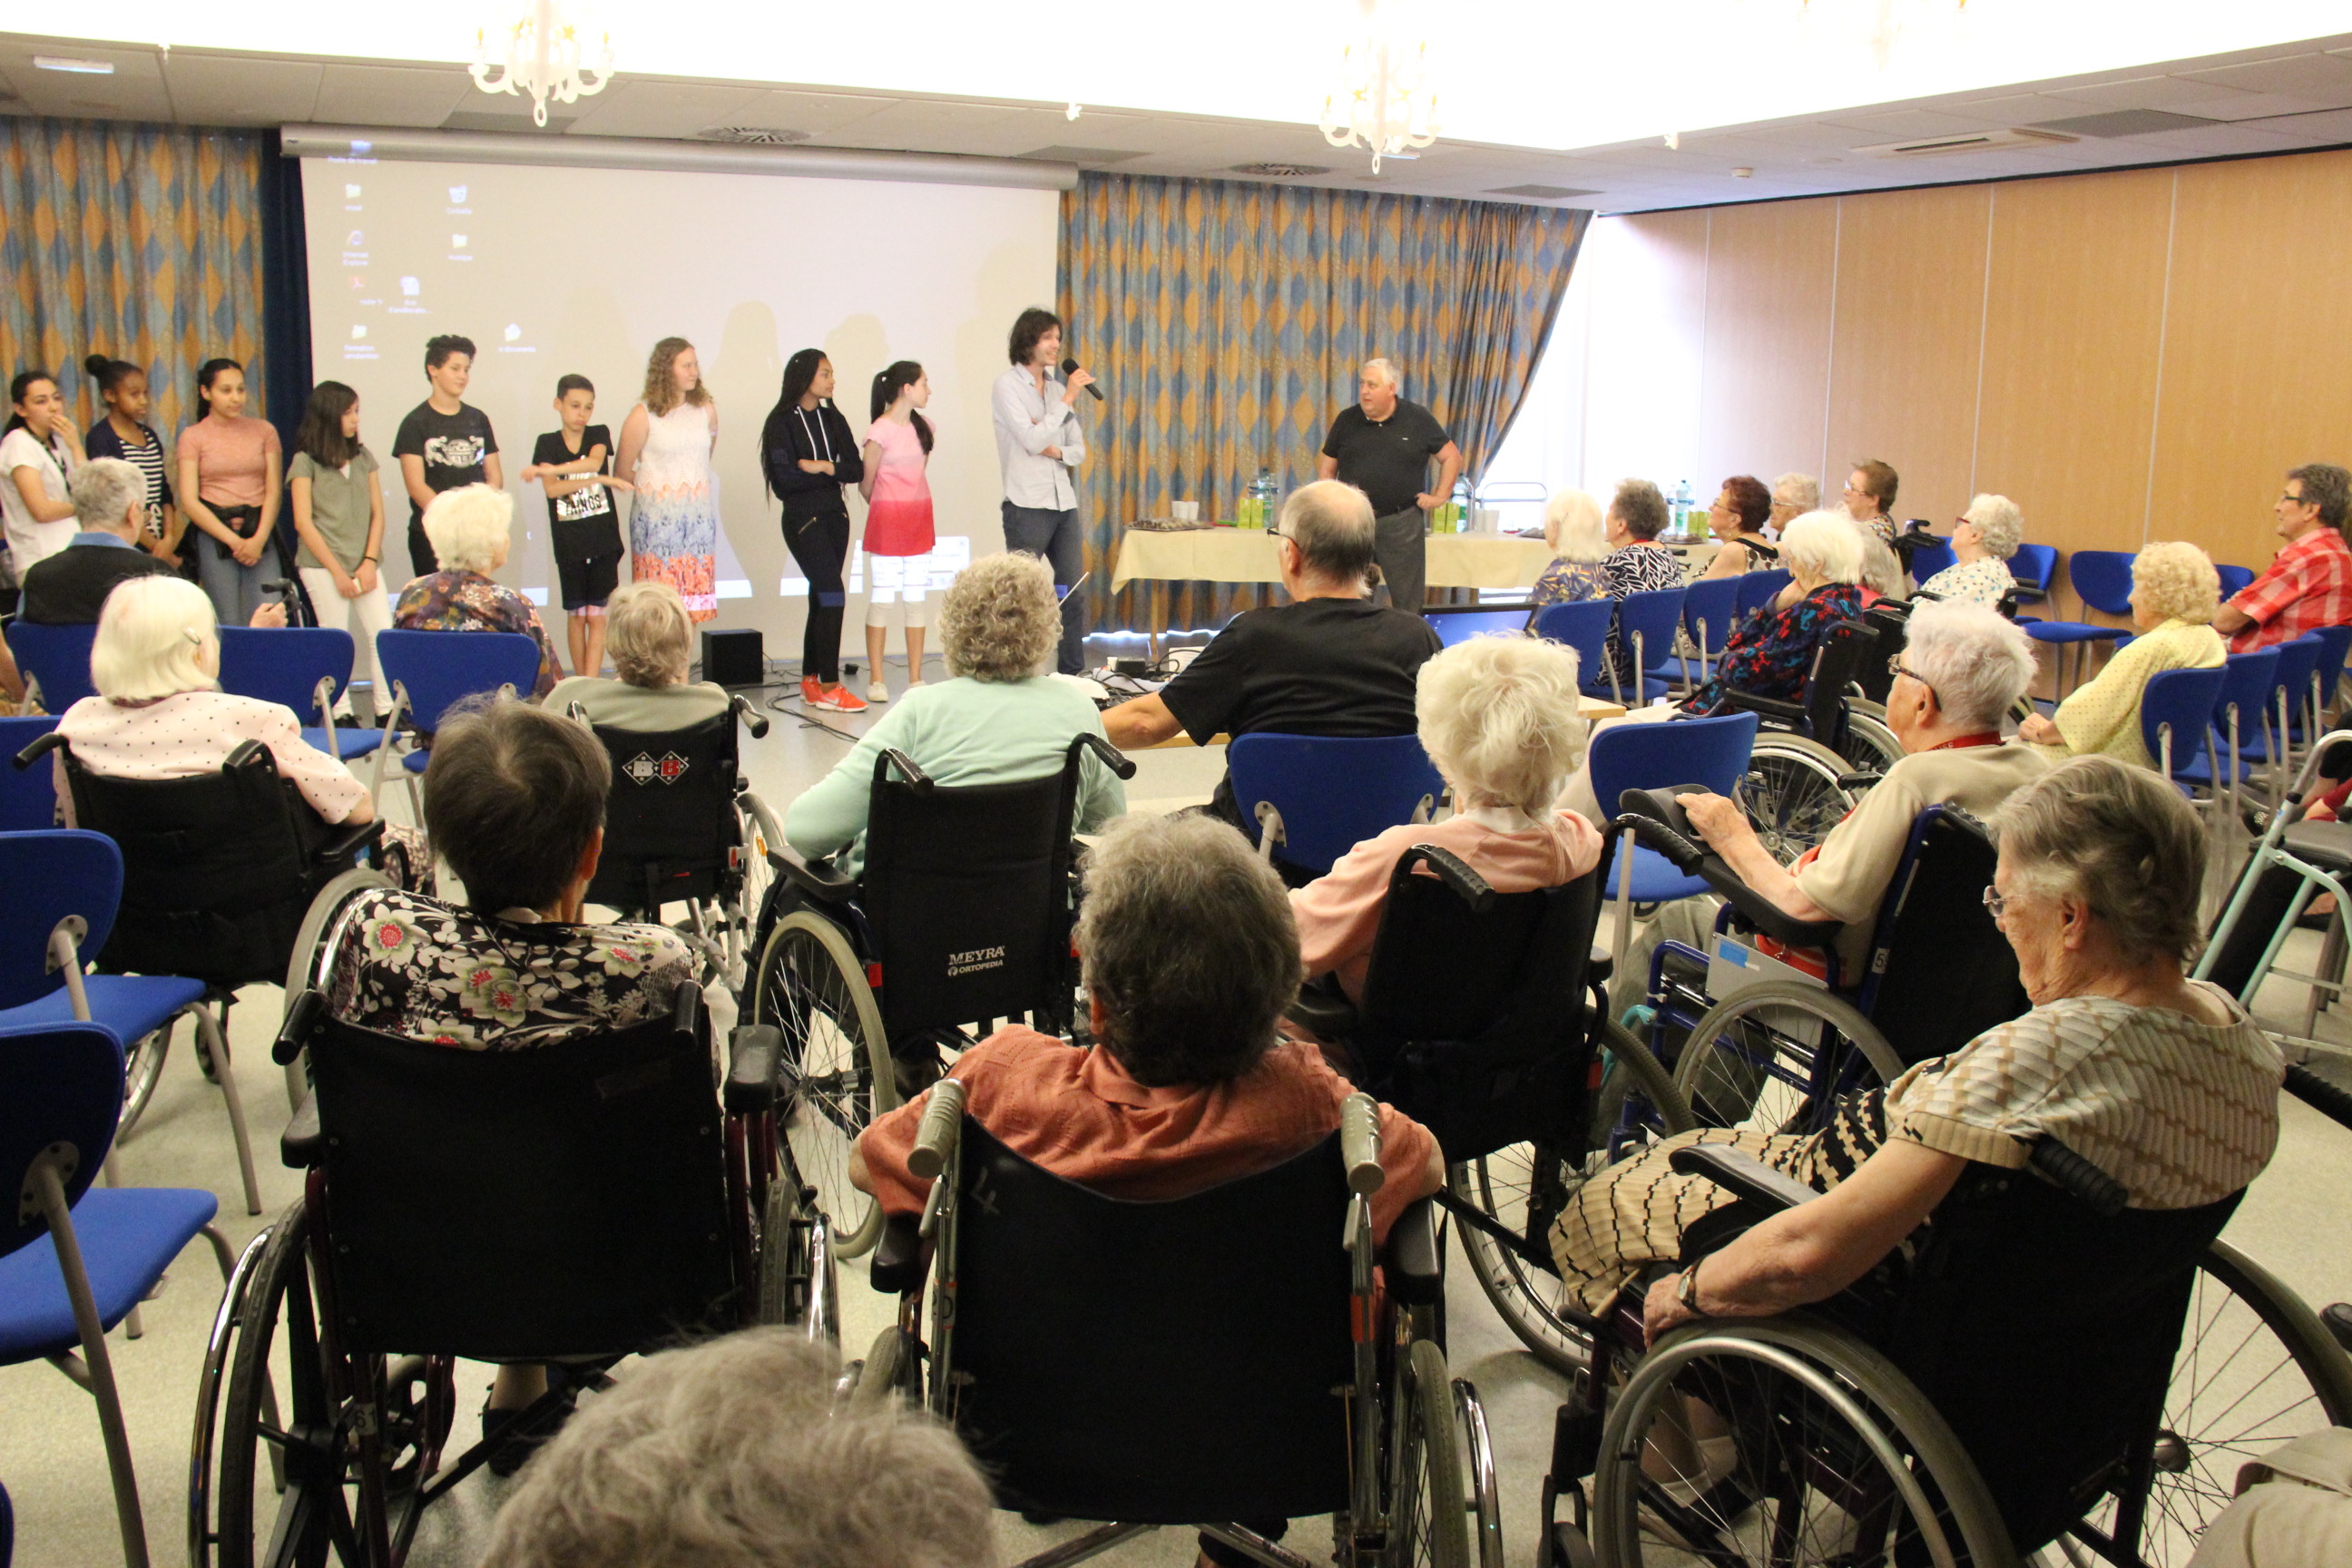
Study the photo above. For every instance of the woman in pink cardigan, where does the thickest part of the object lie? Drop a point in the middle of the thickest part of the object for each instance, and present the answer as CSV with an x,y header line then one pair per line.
x,y
1498,717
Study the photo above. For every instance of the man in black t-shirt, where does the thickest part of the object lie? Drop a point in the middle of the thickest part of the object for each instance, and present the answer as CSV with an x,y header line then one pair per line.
x,y
1332,662
1382,447
444,442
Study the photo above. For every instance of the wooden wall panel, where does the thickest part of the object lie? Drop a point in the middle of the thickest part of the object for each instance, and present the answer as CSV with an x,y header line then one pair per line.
x,y
1905,354
2074,312
2256,375
1764,394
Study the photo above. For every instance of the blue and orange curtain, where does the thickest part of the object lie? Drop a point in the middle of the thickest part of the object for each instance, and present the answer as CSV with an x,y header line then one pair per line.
x,y
1227,322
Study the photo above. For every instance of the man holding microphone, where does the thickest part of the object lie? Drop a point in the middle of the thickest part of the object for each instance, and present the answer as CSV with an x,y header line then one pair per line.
x,y
1382,447
1038,443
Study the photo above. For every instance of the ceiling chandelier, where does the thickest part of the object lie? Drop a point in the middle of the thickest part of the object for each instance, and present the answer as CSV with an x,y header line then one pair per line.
x,y
543,60
1384,101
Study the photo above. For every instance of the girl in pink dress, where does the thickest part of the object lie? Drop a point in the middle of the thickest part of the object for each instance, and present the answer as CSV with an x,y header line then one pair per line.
x,y
897,520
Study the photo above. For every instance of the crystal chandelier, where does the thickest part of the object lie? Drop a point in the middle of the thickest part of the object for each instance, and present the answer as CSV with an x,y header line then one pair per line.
x,y
1383,103
543,60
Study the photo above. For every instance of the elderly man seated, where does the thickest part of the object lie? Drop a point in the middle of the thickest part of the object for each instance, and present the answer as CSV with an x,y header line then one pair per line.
x,y
109,502
1961,667
1190,956
1330,662
2309,583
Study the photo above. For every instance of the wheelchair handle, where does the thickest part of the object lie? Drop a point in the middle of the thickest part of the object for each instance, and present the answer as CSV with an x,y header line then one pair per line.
x,y
1360,1144
1468,885
2079,1176
936,1138
893,757
41,747
1685,855
750,716
2322,1096
1112,757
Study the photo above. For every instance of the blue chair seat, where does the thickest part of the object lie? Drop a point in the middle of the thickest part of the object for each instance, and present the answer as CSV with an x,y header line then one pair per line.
x,y
129,1237
2068,631
131,1006
1655,880
416,761
1652,688
347,743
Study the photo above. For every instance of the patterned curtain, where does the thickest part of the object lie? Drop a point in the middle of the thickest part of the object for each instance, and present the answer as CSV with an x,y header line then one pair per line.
x,y
141,242
1227,322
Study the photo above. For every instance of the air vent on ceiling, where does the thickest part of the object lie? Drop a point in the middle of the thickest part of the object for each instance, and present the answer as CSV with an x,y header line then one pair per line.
x,y
1082,154
1279,171
1964,142
750,135
2126,122
1541,192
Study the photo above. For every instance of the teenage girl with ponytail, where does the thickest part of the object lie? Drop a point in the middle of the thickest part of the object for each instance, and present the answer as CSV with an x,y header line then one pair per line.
x,y
898,519
232,480
808,455
124,433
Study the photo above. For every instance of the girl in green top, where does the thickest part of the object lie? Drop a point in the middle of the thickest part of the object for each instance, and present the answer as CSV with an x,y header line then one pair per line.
x,y
339,517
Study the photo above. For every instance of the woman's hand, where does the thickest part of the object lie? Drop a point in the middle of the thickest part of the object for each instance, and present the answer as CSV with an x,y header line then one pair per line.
x,y
815,466
247,551
2040,731
1787,597
1661,1312
368,580
346,585
1718,820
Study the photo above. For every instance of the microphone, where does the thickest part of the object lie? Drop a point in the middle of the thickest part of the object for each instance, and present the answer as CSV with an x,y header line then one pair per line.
x,y
1070,364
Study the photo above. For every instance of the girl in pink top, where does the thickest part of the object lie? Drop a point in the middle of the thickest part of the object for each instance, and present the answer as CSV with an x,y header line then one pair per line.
x,y
231,473
897,520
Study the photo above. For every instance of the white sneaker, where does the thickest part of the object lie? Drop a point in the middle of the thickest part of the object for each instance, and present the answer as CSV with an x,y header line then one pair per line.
x,y
877,692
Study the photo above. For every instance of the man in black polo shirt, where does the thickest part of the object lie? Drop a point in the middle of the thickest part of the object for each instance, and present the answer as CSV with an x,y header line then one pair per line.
x,y
1382,447
1330,662
109,502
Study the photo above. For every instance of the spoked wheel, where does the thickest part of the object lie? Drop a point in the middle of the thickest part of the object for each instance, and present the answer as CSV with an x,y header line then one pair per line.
x,y
742,906
1524,1188
1783,1442
1478,1475
142,1066
1870,746
1431,1509
798,1286
836,1066
1791,794
1774,1057
2255,1368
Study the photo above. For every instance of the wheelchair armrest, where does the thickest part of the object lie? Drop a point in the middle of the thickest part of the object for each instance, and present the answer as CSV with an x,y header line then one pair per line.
x,y
2073,1173
1657,820
298,1145
752,719
246,751
1324,1009
1742,1175
755,1052
294,1035
350,839
1411,1260
816,879
1862,780
1450,870
898,1262
1792,713
41,747
2319,1094
1600,966
1112,756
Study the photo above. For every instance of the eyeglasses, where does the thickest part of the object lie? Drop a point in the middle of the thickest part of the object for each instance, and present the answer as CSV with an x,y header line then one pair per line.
x,y
1995,901
1896,666
2293,499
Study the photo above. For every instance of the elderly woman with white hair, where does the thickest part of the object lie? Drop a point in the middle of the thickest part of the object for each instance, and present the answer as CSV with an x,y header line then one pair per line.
x,y
651,639
471,531
1498,717
1580,543
1983,540
1770,653
2175,593
1793,495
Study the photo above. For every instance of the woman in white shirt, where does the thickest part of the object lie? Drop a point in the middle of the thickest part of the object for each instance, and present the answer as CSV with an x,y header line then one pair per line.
x,y
1982,542
36,455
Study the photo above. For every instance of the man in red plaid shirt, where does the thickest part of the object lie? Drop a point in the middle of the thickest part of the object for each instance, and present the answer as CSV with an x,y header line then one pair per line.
x,y
2309,583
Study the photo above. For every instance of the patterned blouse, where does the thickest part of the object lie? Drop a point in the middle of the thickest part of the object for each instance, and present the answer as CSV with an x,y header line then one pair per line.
x,y
422,970
1772,654
1570,583
1637,569
1971,582
469,602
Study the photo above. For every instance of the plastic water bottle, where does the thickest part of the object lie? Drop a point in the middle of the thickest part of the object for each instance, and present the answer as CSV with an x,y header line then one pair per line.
x,y
1683,508
1457,508
1261,493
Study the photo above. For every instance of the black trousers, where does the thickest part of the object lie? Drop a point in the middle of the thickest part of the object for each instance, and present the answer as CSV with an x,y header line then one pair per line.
x,y
820,543
420,550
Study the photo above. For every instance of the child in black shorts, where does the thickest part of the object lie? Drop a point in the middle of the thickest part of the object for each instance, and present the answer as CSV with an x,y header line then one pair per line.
x,y
573,465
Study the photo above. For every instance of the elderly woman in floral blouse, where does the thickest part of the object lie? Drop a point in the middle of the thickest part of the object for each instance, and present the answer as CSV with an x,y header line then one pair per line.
x,y
1771,655
471,529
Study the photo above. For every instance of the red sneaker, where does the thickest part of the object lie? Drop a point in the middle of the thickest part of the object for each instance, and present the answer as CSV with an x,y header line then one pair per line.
x,y
833,699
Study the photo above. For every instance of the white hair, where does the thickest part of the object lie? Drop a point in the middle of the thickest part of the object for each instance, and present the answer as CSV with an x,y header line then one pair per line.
x,y
1384,372
470,527
650,634
103,491
1800,491
1498,717
1823,544
1977,662
152,634
1574,523
1999,525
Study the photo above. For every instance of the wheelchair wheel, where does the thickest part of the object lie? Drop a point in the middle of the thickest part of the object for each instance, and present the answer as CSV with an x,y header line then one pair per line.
x,y
892,1369
836,1066
1430,1506
143,1067
1774,1057
1870,746
742,904
1792,796
1478,1474
797,1283
1524,1186
1832,1456
306,966
2255,1368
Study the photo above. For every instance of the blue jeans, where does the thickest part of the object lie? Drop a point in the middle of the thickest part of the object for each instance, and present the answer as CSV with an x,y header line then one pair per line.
x,y
1053,535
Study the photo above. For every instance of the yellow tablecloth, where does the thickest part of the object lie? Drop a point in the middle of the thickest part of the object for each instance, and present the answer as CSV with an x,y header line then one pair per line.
x,y
1247,555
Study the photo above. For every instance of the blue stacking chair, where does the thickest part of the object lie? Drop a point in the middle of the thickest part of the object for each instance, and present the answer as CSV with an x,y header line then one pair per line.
x,y
2032,566
2241,707
1758,589
2235,580
1581,628
1312,798
64,886
2273,740
306,669
2176,715
1927,560
58,658
77,1259
2102,579
2334,644
1646,623
28,796
1710,611
1710,753
431,672
1459,624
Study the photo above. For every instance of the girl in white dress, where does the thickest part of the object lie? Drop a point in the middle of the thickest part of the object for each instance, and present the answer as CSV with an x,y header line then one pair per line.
x,y
666,448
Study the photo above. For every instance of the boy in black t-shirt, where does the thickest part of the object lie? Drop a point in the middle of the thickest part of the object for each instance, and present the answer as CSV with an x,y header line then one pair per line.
x,y
444,443
573,465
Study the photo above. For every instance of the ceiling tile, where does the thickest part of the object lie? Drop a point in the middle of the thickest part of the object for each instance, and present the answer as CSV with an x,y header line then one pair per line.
x,y
809,111
2319,75
2140,92
2327,126
411,97
1896,125
134,91
215,89
2267,105
641,106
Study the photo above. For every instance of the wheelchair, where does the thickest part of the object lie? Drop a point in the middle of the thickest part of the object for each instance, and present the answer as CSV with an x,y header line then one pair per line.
x,y
1814,756
961,916
1264,1374
682,827
569,1207
1484,1018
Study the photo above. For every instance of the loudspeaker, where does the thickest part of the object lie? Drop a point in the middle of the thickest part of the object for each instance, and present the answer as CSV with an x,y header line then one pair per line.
x,y
734,658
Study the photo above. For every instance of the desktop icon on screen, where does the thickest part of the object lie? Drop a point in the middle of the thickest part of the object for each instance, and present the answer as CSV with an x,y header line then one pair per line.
x,y
457,242
351,193
356,240
408,287
359,331
514,332
457,196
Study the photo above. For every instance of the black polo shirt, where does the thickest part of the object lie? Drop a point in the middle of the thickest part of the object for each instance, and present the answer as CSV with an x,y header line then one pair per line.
x,y
1389,461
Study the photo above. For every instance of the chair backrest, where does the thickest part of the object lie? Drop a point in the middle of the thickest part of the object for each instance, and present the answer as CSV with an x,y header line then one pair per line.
x,y
285,664
1889,621
2247,681
1653,617
57,657
1710,752
1710,612
1333,792
1232,1308
2033,565
669,821
2235,580
441,669
2298,661
28,796
1583,629
967,893
1840,660
1931,557
1940,972
59,1084
2183,701
2334,642
564,1201
1758,589
2102,579
1460,623
51,874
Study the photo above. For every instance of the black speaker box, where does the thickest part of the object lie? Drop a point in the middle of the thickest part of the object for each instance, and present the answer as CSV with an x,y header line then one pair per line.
x,y
734,658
